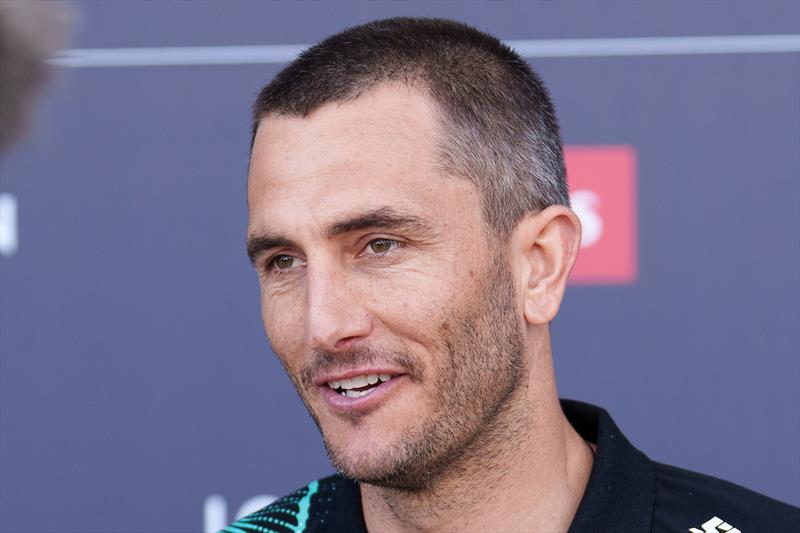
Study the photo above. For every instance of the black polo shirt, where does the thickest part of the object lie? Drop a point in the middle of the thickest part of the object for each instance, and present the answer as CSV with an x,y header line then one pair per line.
x,y
626,493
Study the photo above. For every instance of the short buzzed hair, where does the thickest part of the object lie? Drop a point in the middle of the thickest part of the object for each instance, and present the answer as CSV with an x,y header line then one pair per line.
x,y
499,128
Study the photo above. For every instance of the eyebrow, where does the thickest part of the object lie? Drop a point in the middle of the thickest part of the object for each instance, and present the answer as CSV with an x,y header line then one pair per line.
x,y
258,244
381,218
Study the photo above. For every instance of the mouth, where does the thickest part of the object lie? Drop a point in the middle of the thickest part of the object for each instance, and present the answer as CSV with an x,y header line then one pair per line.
x,y
359,386
359,392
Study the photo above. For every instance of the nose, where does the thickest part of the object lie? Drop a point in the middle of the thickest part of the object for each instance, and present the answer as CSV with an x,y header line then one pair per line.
x,y
335,318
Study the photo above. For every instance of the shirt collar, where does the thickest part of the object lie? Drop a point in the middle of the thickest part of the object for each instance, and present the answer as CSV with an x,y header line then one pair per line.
x,y
620,494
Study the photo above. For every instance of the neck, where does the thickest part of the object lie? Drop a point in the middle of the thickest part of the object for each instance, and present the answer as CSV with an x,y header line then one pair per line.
x,y
526,473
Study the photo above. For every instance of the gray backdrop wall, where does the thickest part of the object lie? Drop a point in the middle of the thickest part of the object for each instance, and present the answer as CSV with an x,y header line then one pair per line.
x,y
137,390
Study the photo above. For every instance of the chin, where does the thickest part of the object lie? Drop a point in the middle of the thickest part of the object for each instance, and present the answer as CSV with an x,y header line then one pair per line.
x,y
381,473
383,463
367,462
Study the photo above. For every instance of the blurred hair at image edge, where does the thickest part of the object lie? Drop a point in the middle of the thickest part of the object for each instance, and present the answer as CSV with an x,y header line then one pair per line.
x,y
31,32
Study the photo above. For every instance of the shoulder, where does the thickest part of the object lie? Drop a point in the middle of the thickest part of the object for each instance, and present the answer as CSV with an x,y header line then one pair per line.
x,y
329,504
706,503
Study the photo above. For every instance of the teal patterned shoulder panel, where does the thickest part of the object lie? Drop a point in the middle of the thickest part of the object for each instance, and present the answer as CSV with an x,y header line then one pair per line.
x,y
287,515
324,505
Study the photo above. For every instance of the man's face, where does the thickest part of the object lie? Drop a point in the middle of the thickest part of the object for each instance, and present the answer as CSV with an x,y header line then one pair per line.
x,y
382,296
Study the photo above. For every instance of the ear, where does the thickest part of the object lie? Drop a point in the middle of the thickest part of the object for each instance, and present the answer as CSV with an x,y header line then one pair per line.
x,y
544,248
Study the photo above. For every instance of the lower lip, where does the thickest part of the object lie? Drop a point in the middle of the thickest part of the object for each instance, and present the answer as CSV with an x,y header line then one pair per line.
x,y
344,404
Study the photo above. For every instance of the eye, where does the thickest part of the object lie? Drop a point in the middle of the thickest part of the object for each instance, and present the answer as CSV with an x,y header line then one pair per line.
x,y
282,262
381,246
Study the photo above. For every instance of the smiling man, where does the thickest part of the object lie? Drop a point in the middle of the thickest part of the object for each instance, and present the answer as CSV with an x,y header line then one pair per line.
x,y
409,221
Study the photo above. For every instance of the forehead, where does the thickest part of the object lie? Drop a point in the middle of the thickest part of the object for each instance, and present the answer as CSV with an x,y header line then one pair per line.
x,y
378,149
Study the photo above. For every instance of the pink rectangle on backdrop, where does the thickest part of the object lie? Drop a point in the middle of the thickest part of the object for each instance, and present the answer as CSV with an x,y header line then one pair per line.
x,y
603,191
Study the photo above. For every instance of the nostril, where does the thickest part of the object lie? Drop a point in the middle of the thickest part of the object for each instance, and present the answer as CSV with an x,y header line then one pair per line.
x,y
347,342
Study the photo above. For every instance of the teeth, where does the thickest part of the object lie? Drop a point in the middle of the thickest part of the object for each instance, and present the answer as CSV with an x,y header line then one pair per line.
x,y
356,393
359,381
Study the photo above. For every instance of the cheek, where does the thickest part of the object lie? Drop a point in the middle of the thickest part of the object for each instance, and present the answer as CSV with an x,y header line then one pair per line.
x,y
413,307
284,328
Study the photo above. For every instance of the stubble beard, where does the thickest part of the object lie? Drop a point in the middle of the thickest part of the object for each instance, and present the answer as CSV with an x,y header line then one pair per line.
x,y
482,369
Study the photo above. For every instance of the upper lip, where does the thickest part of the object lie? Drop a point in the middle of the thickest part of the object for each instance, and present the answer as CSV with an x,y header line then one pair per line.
x,y
323,379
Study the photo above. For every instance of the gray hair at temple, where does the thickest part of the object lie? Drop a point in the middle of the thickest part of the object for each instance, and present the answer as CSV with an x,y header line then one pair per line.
x,y
499,128
30,33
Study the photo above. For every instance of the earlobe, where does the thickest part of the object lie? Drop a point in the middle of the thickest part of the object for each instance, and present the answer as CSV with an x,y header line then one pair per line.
x,y
547,243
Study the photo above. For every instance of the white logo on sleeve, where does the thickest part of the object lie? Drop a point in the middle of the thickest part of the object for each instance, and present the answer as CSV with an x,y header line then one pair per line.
x,y
715,525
